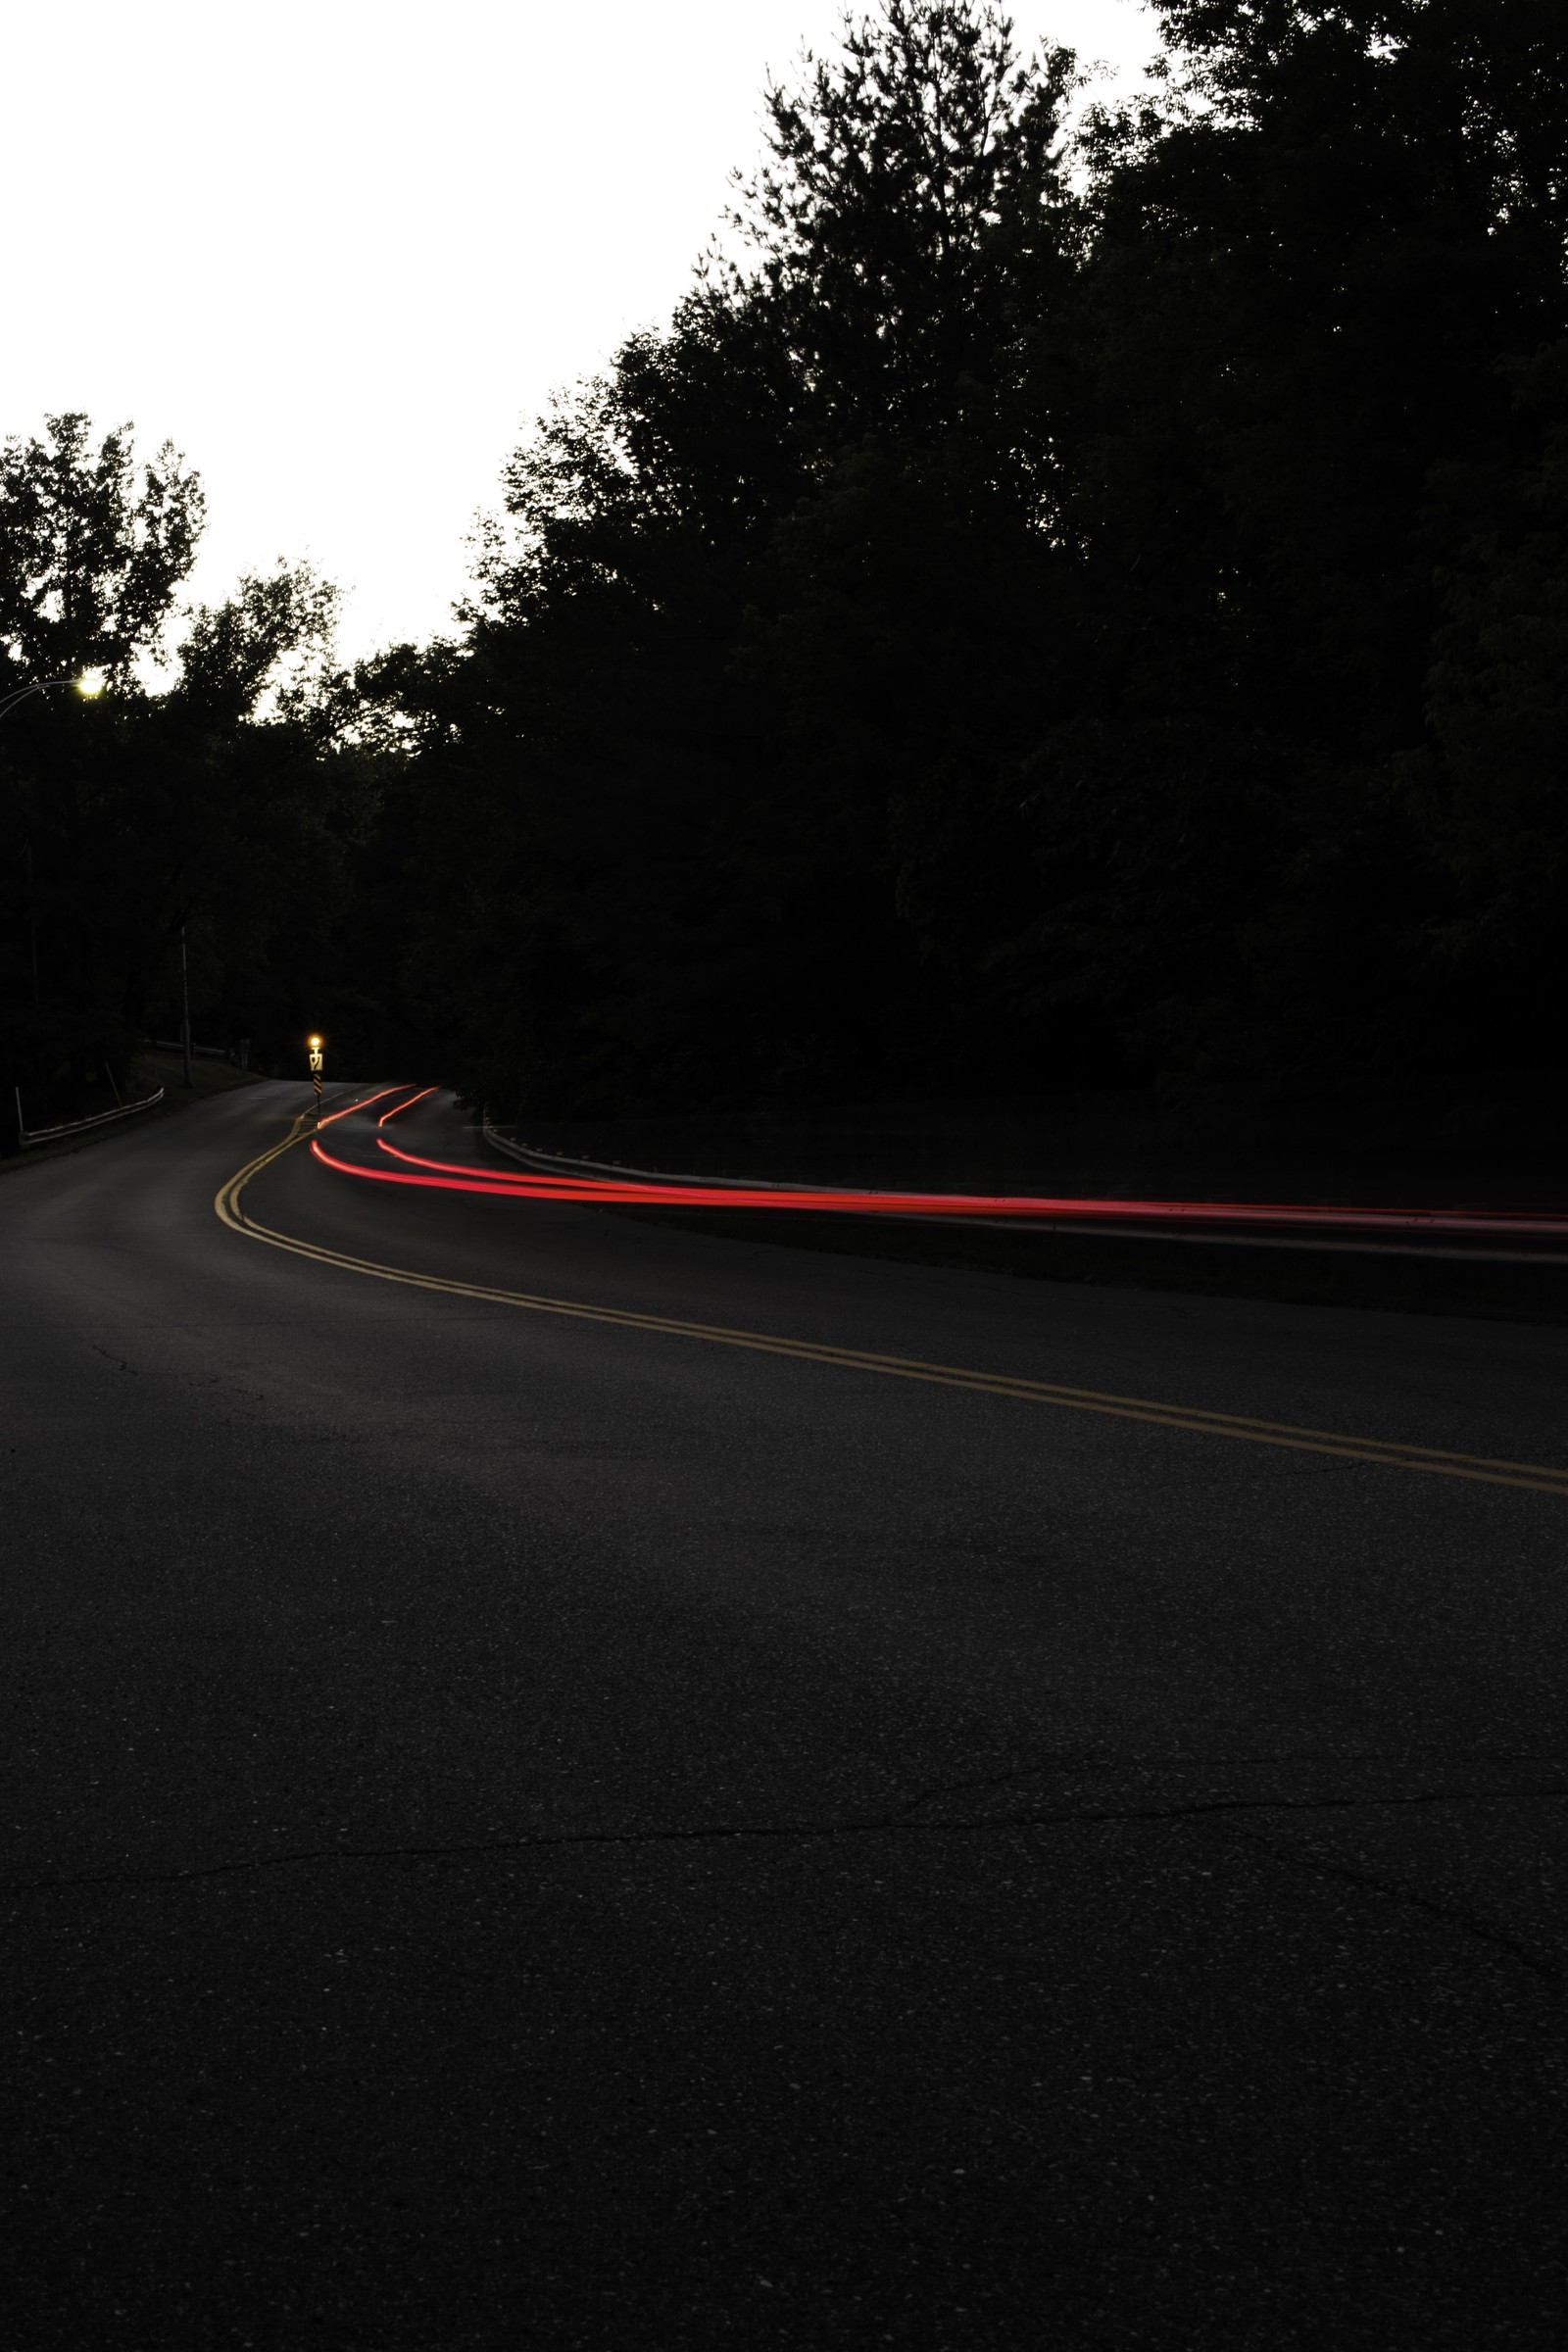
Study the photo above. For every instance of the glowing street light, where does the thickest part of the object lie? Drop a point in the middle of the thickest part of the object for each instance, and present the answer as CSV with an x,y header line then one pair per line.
x,y
88,684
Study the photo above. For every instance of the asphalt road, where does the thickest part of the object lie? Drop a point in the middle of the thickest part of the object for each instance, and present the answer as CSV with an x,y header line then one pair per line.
x,y
535,1830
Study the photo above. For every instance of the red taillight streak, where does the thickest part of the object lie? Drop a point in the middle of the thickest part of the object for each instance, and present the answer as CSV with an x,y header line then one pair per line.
x,y
528,1182
407,1106
994,1204
448,1175
440,1184
364,1105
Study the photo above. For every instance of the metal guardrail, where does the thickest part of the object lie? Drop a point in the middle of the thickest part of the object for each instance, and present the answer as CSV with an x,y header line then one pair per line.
x,y
547,1160
1280,1229
103,1118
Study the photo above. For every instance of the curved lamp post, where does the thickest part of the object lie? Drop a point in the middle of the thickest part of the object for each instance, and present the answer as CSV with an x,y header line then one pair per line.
x,y
91,682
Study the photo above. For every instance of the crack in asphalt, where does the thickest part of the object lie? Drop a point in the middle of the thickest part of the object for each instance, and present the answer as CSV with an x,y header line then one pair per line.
x,y
1453,1915
894,1825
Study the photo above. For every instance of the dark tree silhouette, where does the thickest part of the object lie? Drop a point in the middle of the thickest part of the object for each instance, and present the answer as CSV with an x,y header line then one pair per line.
x,y
90,560
1070,596
217,804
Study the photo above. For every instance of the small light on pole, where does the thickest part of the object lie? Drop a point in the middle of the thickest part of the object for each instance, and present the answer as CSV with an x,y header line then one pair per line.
x,y
315,1074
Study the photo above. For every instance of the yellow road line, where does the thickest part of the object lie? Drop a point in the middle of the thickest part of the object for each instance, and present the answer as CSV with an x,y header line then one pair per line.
x,y
1537,1478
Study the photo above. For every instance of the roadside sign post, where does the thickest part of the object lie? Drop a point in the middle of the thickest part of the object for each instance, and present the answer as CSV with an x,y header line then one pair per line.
x,y
316,1075
185,1009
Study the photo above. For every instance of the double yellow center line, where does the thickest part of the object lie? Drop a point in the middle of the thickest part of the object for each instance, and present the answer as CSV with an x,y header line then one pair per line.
x,y
1534,1477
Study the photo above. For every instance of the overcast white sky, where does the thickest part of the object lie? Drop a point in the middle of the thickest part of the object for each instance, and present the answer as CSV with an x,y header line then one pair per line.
x,y
341,251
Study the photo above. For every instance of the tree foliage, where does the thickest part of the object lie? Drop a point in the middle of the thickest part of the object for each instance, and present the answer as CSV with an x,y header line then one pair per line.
x,y
1075,591
218,805
89,558
1063,605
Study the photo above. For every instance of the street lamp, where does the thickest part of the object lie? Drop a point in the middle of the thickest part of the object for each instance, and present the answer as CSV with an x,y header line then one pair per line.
x,y
89,684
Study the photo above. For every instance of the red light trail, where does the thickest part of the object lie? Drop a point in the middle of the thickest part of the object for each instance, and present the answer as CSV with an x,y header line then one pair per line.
x,y
364,1105
440,1175
398,1106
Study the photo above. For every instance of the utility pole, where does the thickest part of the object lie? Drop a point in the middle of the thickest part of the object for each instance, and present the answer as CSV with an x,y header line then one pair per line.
x,y
185,998
32,921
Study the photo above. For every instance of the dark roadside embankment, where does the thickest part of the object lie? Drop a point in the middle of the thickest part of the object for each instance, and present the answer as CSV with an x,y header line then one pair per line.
x,y
1471,1142
148,1072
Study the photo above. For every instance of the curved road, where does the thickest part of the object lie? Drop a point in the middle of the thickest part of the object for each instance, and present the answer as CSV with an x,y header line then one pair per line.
x,y
656,1824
